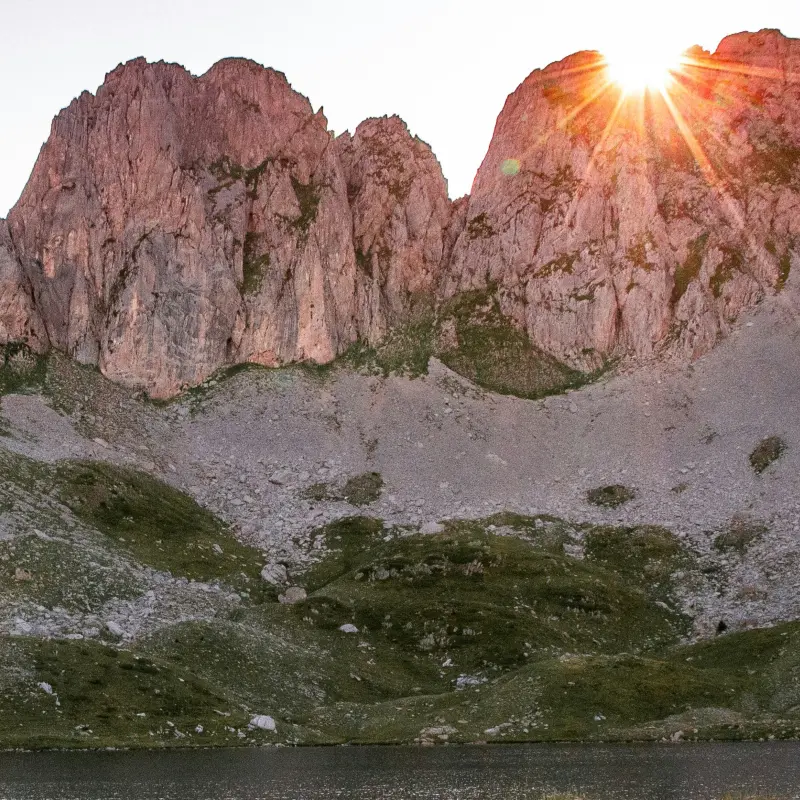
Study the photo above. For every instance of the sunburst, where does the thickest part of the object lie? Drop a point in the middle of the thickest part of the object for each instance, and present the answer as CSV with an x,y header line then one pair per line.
x,y
636,68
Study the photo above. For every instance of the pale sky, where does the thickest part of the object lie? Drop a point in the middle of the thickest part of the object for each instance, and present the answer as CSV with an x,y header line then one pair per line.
x,y
445,67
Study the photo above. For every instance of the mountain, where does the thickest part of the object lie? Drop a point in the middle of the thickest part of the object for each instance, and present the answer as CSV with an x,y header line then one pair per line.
x,y
639,226
175,224
509,502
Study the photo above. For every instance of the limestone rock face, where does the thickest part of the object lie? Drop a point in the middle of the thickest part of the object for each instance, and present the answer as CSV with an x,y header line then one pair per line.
x,y
616,225
19,319
400,215
174,224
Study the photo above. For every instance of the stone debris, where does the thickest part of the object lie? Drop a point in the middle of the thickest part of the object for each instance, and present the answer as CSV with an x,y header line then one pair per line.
x,y
466,681
431,528
115,629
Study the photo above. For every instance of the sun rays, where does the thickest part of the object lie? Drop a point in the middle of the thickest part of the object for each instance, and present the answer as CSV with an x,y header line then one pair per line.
x,y
661,96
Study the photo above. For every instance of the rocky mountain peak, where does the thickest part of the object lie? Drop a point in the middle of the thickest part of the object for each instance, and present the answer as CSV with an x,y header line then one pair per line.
x,y
635,226
174,224
767,48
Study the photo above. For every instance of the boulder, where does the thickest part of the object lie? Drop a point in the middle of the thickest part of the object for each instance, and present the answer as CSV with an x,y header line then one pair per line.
x,y
294,594
274,574
262,722
348,628
431,528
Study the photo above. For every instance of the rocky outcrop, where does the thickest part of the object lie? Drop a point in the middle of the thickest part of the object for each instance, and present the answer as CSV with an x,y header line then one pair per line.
x,y
19,319
175,224
400,217
613,225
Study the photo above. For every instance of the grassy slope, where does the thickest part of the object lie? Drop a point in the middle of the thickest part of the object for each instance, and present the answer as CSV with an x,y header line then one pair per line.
x,y
475,339
158,525
556,647
135,518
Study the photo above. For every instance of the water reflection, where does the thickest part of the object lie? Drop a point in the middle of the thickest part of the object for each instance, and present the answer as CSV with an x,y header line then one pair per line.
x,y
686,772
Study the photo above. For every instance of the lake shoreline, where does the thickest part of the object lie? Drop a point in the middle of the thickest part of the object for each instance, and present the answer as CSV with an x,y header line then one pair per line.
x,y
177,746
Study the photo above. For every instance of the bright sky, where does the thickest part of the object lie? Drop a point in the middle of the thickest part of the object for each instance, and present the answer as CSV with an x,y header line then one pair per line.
x,y
445,66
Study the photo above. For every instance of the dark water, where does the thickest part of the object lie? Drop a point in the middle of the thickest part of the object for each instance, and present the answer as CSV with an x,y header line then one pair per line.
x,y
449,773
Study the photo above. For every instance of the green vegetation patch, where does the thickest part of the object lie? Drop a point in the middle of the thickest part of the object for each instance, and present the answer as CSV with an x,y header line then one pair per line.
x,y
159,525
742,532
610,496
53,572
479,227
273,669
765,662
227,172
784,268
690,269
492,352
732,263
767,452
474,338
564,263
101,696
60,380
647,554
577,697
482,634
405,350
488,602
285,666
775,162
345,541
745,678
321,492
583,697
254,264
21,370
638,250
308,198
361,490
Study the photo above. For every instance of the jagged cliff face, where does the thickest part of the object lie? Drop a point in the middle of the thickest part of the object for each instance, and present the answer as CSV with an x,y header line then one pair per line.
x,y
175,224
616,225
19,319
400,217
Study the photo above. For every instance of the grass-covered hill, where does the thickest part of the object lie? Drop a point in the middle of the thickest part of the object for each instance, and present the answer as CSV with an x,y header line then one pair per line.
x,y
509,628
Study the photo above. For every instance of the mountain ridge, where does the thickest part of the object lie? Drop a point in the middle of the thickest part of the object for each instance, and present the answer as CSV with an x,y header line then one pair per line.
x,y
174,224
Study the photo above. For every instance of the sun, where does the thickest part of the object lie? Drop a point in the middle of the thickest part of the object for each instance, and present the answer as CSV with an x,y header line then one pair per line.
x,y
637,69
